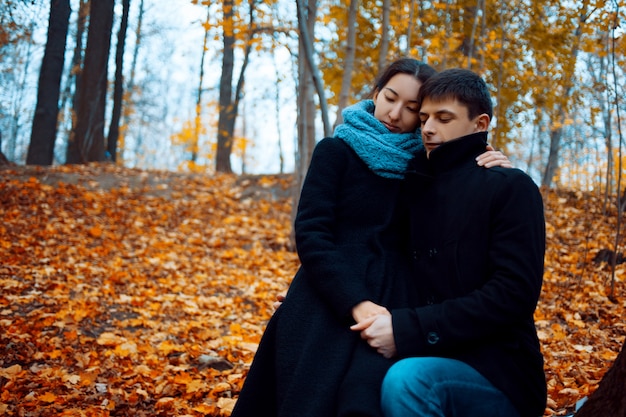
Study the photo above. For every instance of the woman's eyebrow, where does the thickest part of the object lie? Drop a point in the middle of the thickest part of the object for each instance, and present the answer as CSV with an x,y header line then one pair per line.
x,y
396,93
392,90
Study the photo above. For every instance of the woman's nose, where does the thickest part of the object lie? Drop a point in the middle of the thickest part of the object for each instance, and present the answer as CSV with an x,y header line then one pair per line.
x,y
395,112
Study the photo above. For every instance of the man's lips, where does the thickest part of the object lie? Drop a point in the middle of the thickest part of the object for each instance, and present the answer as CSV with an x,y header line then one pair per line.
x,y
431,145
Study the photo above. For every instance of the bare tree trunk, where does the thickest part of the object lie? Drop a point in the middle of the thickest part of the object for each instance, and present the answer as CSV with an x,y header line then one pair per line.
x,y
553,156
448,30
224,140
480,7
77,61
620,141
306,41
384,37
348,67
73,78
131,81
422,31
44,130
409,29
17,112
244,65
277,110
88,143
198,120
556,133
118,89
500,74
306,104
483,30
604,104
534,141
229,102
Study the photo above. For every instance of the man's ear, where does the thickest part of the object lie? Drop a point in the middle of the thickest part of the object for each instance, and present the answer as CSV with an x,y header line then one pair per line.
x,y
482,122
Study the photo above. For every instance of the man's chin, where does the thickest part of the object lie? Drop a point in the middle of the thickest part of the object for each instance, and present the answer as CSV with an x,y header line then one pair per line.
x,y
430,148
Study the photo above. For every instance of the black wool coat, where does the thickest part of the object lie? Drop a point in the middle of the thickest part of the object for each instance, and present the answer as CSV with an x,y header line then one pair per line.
x,y
478,246
351,237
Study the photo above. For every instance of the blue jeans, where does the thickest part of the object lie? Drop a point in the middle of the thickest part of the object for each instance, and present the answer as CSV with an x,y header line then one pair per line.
x,y
441,387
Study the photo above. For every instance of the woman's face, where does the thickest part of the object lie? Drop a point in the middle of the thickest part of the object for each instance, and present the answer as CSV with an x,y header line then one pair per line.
x,y
396,104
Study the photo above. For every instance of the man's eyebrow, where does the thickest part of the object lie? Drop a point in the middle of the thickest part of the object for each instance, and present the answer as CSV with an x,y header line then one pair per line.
x,y
440,112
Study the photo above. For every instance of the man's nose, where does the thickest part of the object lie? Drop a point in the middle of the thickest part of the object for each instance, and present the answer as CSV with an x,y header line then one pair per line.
x,y
427,126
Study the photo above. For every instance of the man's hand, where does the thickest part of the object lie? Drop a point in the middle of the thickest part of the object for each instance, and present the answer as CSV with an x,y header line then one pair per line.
x,y
366,309
493,158
377,331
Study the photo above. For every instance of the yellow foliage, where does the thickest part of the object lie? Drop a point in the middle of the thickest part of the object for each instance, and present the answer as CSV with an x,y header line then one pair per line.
x,y
192,166
188,134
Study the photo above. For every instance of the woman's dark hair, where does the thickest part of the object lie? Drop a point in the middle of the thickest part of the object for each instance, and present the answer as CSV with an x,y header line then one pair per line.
x,y
410,66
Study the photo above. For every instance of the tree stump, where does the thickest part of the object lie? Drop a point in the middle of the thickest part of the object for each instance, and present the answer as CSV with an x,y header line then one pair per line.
x,y
609,399
4,160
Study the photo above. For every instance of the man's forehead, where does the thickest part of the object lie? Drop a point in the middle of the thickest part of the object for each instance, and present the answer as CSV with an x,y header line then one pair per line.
x,y
443,105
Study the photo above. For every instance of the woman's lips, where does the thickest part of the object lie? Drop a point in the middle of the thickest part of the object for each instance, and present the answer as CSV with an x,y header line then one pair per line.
x,y
392,128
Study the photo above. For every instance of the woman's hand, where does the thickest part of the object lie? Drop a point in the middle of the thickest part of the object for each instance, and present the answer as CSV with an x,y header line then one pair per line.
x,y
279,301
493,158
377,331
366,309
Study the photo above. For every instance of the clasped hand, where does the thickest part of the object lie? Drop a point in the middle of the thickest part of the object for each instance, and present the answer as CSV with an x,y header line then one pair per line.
x,y
374,324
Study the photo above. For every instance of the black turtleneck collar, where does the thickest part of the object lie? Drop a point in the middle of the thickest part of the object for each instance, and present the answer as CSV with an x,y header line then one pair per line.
x,y
452,155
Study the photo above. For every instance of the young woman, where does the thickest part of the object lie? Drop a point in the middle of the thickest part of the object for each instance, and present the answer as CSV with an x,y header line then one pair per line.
x,y
352,240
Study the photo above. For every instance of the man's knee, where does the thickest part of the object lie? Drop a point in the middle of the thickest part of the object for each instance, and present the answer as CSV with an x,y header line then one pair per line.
x,y
401,378
394,381
405,391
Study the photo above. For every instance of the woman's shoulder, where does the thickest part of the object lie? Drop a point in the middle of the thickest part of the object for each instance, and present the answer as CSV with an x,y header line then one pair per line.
x,y
332,142
332,146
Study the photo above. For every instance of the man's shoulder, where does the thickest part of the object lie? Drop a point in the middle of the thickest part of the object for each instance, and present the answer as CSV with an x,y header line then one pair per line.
x,y
500,179
507,173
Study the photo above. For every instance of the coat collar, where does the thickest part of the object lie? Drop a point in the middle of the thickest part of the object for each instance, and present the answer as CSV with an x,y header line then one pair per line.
x,y
451,155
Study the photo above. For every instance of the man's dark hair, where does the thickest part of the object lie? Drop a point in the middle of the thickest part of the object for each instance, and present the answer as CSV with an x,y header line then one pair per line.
x,y
465,86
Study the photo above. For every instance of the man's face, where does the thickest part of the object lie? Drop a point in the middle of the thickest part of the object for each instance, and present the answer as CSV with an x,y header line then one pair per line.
x,y
447,120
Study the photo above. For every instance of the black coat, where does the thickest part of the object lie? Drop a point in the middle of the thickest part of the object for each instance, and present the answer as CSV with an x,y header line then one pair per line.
x,y
352,243
478,244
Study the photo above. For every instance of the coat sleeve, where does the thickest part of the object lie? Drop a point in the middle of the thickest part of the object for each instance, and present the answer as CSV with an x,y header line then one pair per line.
x,y
501,303
331,267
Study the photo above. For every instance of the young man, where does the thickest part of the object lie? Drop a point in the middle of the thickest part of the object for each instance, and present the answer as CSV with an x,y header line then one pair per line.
x,y
470,347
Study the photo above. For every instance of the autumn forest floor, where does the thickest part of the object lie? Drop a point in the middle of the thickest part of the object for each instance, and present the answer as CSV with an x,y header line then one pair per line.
x,y
145,293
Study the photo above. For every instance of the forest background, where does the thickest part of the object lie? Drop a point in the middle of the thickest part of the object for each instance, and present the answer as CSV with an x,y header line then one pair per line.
x,y
227,86
169,99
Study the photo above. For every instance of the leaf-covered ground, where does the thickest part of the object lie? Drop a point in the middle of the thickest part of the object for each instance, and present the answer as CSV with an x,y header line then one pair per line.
x,y
124,292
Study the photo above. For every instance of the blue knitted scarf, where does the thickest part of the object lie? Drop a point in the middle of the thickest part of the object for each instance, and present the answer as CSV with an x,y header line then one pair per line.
x,y
386,154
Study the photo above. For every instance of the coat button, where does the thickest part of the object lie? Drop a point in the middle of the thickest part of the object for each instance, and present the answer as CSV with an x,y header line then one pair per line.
x,y
432,338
